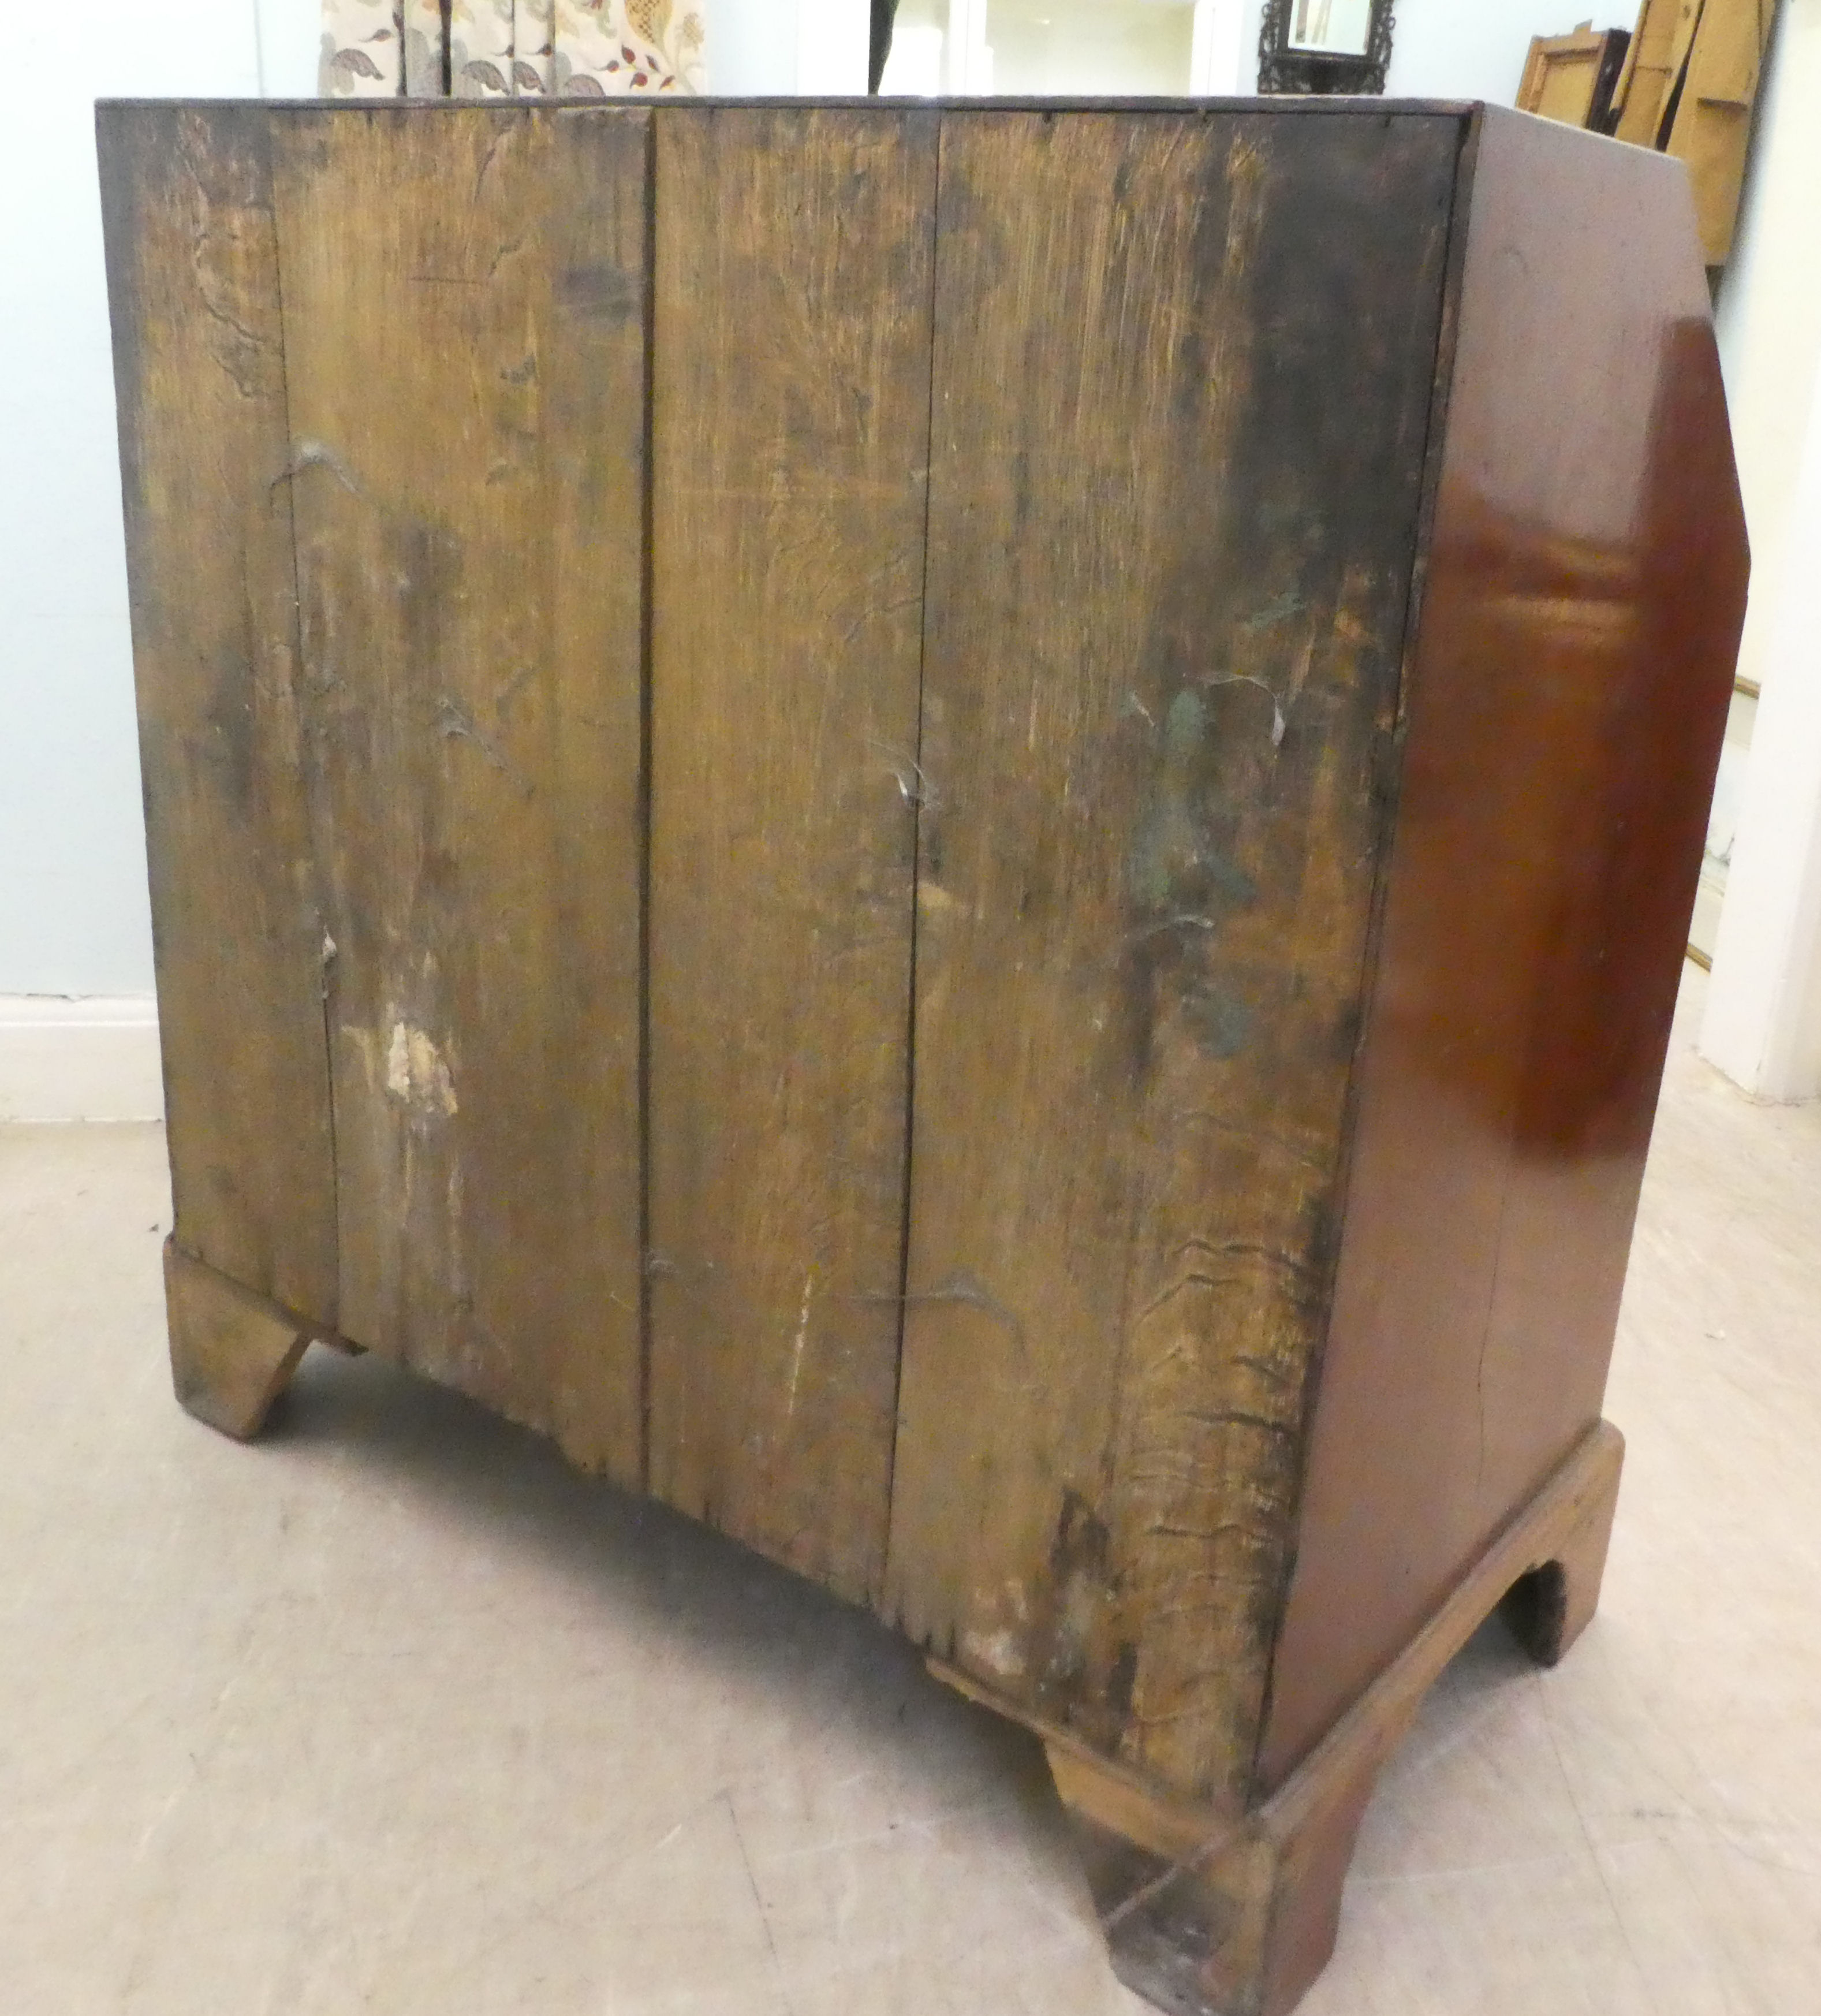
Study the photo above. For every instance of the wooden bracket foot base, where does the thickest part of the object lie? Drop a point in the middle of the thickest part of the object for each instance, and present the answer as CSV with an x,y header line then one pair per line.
x,y
232,1352
1222,1915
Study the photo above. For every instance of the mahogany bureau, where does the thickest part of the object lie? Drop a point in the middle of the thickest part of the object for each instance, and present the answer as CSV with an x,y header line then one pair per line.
x,y
961,833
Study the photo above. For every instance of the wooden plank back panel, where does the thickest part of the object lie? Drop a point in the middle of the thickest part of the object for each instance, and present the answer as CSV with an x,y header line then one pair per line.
x,y
1183,373
791,403
465,360
237,924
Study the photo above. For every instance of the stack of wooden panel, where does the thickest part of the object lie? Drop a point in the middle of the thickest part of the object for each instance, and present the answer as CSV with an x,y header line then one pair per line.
x,y
1684,83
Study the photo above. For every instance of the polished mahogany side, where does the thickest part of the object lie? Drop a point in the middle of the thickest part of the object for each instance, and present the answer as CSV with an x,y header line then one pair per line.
x,y
1566,698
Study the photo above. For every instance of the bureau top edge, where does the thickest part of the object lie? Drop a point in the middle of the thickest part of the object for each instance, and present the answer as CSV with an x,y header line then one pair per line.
x,y
1357,105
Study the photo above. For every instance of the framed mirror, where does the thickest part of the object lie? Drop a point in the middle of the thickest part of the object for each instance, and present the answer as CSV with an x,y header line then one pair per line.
x,y
1324,46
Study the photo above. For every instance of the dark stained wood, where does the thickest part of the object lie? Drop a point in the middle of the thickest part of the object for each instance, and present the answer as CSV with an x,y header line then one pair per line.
x,y
465,364
1570,688
1206,1916
199,378
1183,375
791,405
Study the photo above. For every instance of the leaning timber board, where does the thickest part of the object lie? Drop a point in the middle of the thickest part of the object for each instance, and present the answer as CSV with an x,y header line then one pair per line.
x,y
960,832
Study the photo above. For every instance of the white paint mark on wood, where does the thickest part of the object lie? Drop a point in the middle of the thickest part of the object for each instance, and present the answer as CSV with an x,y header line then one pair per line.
x,y
797,1347
417,1075
999,1652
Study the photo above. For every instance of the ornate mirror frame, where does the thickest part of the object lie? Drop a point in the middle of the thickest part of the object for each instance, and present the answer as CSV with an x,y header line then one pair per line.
x,y
1284,71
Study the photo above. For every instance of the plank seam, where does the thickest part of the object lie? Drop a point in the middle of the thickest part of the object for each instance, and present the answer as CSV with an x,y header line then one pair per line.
x,y
647,575
910,1045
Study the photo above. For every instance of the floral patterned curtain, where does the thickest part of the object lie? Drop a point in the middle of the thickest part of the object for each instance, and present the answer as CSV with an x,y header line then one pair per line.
x,y
509,48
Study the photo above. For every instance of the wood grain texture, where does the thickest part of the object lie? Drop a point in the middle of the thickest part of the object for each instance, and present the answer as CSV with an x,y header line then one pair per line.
x,y
791,422
1183,370
466,362
193,278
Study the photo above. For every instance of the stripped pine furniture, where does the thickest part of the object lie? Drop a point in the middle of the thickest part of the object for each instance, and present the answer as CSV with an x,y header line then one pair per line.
x,y
962,833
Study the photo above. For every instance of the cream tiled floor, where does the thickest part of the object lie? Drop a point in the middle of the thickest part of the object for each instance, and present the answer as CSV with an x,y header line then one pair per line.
x,y
392,1714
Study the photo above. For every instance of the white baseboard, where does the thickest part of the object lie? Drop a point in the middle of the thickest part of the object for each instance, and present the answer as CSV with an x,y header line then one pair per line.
x,y
92,1058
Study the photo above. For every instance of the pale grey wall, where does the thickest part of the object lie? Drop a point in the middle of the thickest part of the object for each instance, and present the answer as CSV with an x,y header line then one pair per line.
x,y
72,916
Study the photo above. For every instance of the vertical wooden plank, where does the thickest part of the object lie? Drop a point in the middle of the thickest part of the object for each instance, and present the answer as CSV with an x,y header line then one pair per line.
x,y
595,430
792,385
200,379
1183,370
467,395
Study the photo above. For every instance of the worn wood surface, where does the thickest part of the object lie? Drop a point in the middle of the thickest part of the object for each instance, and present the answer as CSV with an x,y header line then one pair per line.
x,y
465,361
232,1352
1172,524
199,377
791,418
1206,1915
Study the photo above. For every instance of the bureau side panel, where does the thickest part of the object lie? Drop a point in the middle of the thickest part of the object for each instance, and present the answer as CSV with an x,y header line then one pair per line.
x,y
465,332
791,425
199,376
1569,690
1184,364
